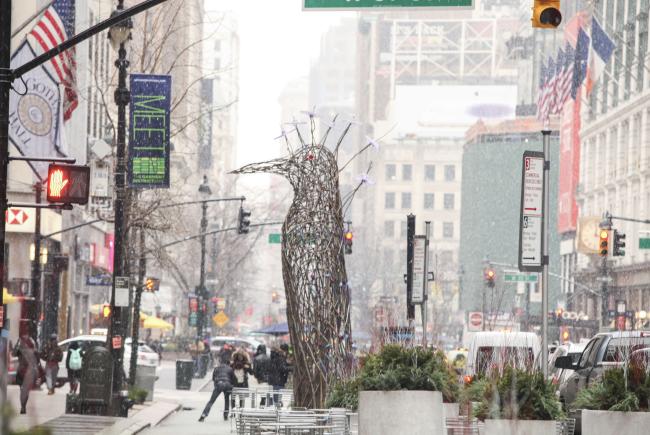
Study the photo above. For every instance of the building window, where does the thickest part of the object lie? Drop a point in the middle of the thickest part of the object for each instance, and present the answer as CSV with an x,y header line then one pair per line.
x,y
448,230
389,229
429,172
389,202
391,172
406,200
429,199
450,173
407,172
449,201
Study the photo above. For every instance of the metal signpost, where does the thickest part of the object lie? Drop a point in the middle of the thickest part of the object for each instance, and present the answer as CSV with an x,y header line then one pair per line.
x,y
386,4
534,224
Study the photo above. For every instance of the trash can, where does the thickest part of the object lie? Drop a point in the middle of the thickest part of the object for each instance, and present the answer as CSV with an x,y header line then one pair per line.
x,y
184,373
145,378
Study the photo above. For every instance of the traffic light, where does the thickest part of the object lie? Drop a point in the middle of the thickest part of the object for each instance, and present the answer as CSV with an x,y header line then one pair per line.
x,y
489,274
275,298
68,184
244,221
565,335
603,243
152,285
546,14
619,244
106,311
347,240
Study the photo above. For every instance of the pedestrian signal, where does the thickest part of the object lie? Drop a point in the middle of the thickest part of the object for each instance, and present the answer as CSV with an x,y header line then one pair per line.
x,y
68,184
152,285
546,14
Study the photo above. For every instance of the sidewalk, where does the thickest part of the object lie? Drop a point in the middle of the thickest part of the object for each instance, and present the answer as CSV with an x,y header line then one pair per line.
x,y
49,411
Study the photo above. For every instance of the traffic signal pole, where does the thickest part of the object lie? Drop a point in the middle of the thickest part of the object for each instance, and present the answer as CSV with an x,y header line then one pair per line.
x,y
36,264
135,329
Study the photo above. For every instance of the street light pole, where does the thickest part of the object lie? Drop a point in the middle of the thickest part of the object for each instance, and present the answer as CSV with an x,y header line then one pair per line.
x,y
36,266
119,35
204,189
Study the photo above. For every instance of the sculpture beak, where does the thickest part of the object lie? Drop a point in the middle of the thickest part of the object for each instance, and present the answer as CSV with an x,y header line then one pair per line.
x,y
275,166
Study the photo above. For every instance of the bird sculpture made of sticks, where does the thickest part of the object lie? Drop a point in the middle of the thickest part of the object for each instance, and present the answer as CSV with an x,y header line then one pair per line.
x,y
313,262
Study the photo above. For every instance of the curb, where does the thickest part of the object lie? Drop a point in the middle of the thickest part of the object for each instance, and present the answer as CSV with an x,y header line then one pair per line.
x,y
136,425
207,381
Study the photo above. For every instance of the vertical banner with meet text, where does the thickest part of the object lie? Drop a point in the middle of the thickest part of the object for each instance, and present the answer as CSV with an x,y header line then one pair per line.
x,y
149,131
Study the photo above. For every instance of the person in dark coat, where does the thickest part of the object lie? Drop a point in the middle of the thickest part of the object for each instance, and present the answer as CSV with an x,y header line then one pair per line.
x,y
223,378
261,364
27,372
278,372
52,355
73,365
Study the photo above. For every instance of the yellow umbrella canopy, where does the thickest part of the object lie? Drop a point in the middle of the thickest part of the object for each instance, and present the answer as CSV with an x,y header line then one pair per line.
x,y
151,322
8,298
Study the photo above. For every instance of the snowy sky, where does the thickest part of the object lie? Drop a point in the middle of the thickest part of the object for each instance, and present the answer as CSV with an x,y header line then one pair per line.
x,y
278,43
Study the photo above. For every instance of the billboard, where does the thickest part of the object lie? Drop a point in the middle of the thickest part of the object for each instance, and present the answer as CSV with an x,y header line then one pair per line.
x,y
149,143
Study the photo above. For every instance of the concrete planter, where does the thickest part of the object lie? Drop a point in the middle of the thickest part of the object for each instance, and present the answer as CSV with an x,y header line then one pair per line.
x,y
520,427
395,412
450,410
614,422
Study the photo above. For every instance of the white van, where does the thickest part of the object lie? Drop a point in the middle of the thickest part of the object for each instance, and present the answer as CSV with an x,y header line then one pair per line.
x,y
493,351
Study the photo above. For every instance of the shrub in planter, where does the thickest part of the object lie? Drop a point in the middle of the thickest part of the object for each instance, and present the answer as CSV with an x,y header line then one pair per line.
x,y
138,395
344,394
399,368
521,395
613,392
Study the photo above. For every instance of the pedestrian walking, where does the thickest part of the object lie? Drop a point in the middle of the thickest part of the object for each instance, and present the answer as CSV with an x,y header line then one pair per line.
x,y
223,377
73,363
241,365
278,373
27,373
52,355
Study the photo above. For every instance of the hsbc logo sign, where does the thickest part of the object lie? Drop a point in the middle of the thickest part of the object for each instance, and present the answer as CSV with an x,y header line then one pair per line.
x,y
16,216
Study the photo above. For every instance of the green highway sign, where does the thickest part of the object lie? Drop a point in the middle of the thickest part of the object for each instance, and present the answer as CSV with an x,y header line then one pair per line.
x,y
644,243
364,4
519,277
275,238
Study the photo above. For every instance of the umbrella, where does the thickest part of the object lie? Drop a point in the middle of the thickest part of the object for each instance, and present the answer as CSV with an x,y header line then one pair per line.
x,y
152,322
278,329
8,298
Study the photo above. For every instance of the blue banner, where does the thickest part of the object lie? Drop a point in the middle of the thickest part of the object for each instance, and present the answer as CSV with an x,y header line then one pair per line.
x,y
149,131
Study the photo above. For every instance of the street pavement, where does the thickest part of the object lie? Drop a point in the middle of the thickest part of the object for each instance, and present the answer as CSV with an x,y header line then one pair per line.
x,y
46,410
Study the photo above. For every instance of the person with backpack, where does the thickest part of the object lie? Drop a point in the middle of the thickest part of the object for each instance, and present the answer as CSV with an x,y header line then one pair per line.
x,y
73,364
52,355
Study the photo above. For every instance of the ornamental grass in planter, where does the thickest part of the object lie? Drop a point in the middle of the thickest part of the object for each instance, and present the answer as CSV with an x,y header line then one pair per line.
x,y
399,388
519,402
618,402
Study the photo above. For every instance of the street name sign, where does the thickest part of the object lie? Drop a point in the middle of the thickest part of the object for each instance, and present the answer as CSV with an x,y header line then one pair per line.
x,y
519,277
275,238
121,291
532,214
644,243
419,257
385,4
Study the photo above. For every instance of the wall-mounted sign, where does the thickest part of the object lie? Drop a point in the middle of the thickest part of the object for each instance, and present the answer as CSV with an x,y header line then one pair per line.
x,y
149,131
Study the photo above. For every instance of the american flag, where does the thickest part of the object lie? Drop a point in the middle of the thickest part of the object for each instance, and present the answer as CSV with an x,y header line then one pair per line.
x,y
580,62
550,87
564,89
55,26
540,91
557,83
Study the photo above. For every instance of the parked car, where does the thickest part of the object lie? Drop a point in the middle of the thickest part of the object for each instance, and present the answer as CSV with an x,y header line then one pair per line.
x,y
250,345
557,375
489,351
605,350
146,356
